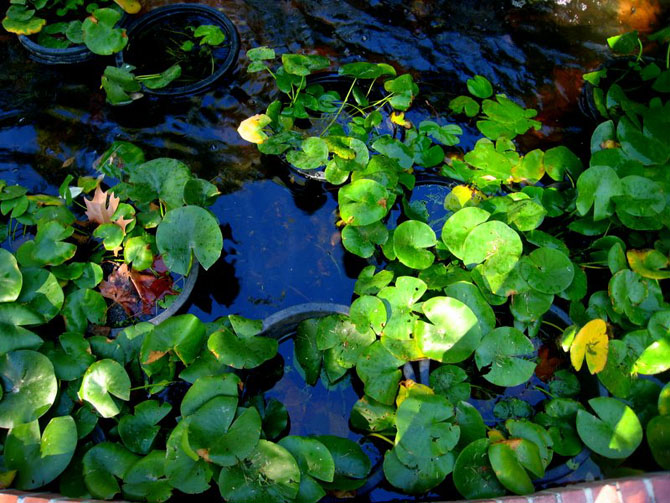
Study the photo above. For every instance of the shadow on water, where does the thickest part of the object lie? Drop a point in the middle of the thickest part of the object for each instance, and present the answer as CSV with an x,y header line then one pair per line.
x,y
281,244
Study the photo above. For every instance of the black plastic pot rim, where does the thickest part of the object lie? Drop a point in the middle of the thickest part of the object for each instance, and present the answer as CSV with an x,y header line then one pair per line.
x,y
170,11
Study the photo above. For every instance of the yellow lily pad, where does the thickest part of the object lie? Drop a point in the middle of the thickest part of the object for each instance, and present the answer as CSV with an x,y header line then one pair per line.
x,y
251,129
130,6
29,27
590,343
648,263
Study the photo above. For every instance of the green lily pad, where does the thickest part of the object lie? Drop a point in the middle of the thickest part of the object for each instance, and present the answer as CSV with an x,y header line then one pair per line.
x,y
363,240
372,416
658,437
473,475
208,387
10,277
187,232
471,296
314,458
241,352
48,247
363,202
41,293
313,154
84,306
480,87
103,379
380,372
402,297
490,239
368,312
72,358
138,431
270,473
183,335
307,354
425,437
615,433
40,459
597,187
209,34
504,350
453,334
352,465
459,225
450,381
29,386
100,34
146,479
547,270
508,469
165,178
104,463
410,240
186,470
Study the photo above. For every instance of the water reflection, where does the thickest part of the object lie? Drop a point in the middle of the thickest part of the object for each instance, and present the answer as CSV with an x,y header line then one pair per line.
x,y
283,246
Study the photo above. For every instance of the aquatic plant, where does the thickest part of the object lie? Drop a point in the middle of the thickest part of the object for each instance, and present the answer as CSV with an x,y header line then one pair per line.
x,y
60,24
190,47
479,305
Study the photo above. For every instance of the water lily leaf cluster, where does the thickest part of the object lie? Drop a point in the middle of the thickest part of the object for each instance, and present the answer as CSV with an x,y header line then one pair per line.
x,y
59,25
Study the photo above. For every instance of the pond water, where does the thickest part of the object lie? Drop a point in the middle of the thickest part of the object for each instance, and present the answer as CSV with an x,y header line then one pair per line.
x,y
282,247
281,244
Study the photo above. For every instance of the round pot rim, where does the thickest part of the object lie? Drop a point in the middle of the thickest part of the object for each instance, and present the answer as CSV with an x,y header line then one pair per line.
x,y
156,16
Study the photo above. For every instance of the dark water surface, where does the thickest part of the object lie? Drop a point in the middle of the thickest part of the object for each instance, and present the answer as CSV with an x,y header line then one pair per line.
x,y
281,245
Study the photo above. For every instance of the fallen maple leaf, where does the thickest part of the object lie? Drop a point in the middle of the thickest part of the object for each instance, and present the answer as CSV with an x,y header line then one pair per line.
x,y
99,210
123,223
119,288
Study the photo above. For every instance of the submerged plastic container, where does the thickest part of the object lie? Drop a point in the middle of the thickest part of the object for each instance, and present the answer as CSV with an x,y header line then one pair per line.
x,y
181,15
48,56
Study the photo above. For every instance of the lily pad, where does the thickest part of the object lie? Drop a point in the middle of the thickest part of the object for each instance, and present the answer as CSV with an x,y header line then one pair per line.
x,y
138,431
615,433
473,475
241,352
100,34
459,225
189,475
11,278
104,463
270,473
547,270
29,386
103,379
146,479
508,467
187,232
453,334
504,350
380,372
183,335
658,437
363,202
410,240
39,459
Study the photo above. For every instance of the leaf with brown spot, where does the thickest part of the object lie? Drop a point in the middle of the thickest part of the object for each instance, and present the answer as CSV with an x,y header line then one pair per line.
x,y
154,356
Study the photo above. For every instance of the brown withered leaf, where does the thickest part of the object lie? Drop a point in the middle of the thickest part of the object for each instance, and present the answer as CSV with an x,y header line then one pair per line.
x,y
151,288
101,208
119,288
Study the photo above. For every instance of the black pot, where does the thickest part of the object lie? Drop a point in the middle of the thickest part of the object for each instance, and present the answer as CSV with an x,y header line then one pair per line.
x,y
48,56
182,14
